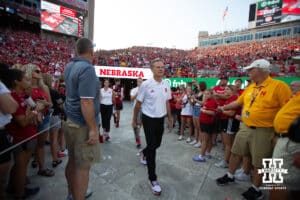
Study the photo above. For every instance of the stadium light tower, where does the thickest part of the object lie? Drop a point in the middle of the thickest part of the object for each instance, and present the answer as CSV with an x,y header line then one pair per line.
x,y
91,9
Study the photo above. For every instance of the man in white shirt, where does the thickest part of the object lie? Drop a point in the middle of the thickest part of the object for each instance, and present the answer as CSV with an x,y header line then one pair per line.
x,y
136,130
153,98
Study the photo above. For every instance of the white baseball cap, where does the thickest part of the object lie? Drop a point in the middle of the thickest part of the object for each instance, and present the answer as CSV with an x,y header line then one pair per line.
x,y
260,63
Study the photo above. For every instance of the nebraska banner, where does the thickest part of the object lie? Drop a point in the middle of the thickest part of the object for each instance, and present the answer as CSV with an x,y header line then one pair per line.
x,y
123,72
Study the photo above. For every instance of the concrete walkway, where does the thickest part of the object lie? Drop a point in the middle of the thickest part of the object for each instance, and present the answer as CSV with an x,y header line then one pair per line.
x,y
120,176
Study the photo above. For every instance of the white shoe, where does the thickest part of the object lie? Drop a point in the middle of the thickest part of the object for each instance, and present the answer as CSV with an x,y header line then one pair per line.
x,y
197,145
242,177
222,164
143,158
193,142
156,189
188,140
238,171
180,138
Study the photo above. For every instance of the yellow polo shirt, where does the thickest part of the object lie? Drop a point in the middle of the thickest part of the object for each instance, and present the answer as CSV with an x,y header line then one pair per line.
x,y
287,114
261,103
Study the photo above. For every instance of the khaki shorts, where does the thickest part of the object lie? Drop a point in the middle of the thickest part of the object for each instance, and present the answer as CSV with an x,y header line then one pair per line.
x,y
76,136
254,142
285,149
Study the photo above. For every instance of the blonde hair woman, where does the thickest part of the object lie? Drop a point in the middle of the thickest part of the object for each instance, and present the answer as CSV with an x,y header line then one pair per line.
x,y
40,94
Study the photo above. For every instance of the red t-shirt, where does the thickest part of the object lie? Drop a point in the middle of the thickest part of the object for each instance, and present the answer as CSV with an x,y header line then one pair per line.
x,y
14,129
210,104
228,101
38,94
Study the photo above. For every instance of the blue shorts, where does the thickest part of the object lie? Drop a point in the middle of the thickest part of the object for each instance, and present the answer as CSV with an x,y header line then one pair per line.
x,y
196,111
45,125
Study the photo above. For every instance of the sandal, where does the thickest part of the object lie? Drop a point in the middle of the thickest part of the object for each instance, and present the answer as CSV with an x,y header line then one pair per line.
x,y
46,172
56,162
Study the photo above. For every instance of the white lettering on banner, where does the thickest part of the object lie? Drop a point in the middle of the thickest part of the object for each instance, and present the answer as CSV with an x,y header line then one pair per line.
x,y
123,72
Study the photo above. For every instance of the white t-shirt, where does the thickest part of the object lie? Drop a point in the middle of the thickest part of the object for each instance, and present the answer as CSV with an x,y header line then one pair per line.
x,y
154,96
106,96
4,118
133,92
187,108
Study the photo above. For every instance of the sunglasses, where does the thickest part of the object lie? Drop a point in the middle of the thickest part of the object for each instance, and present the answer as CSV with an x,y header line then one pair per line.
x,y
37,71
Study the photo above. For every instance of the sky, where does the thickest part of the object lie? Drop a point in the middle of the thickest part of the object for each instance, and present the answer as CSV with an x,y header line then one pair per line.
x,y
164,23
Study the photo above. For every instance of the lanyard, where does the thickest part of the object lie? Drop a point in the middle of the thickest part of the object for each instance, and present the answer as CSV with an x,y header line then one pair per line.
x,y
255,93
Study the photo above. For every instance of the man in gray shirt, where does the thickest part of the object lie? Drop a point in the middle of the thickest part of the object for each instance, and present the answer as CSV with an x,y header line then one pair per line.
x,y
82,110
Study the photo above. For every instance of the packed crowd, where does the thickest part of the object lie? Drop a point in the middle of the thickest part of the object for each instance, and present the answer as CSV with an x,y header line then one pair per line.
x,y
210,61
22,47
52,55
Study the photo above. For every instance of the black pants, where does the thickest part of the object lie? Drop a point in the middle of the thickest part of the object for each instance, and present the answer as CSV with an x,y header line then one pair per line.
x,y
153,128
106,113
178,115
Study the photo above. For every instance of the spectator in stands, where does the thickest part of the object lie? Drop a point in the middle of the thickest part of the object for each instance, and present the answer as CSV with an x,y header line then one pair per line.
x,y
257,116
82,110
22,128
7,106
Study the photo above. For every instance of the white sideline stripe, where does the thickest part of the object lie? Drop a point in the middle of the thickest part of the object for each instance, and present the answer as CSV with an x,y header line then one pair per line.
x,y
27,139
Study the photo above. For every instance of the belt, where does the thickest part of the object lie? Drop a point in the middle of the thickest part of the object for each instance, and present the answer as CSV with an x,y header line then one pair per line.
x,y
281,135
252,127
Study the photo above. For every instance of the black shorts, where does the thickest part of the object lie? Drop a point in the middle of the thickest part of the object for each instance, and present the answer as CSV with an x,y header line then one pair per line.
x,y
119,106
223,123
207,128
233,126
5,142
217,126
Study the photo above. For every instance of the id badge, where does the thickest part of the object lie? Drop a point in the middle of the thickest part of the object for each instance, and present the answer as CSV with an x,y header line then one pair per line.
x,y
247,114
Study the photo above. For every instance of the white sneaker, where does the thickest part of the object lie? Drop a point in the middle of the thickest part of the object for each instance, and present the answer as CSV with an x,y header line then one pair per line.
x,y
242,177
180,138
238,171
156,189
222,164
193,142
188,140
143,158
197,145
